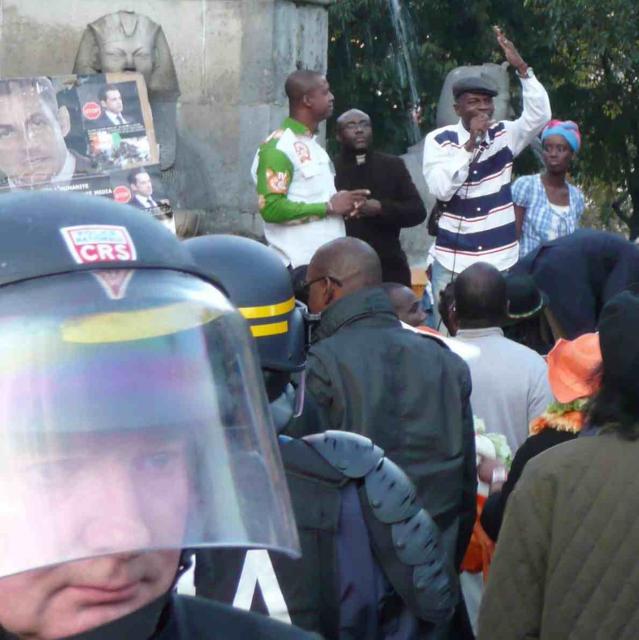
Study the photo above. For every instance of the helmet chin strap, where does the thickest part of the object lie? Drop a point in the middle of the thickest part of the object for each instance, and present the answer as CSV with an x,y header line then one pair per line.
x,y
186,562
283,408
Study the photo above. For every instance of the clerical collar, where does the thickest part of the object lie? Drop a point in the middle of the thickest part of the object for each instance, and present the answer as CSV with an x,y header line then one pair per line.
x,y
355,157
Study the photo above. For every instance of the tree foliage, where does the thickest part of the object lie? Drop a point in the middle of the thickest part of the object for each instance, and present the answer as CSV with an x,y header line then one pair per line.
x,y
586,53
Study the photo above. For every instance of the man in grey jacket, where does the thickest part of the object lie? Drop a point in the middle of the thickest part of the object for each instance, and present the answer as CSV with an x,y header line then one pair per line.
x,y
407,391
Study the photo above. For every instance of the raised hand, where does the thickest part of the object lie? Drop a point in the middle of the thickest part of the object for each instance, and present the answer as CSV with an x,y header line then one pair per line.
x,y
510,52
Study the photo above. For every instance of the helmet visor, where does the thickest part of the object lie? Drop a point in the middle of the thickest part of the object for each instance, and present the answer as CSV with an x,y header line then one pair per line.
x,y
133,418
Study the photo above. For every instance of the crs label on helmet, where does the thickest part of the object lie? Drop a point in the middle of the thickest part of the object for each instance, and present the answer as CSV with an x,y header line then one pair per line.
x,y
90,244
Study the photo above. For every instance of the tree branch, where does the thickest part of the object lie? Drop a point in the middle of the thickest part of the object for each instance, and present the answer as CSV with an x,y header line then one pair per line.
x,y
616,207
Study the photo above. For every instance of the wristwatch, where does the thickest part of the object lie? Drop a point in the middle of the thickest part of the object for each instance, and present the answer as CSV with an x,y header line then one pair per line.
x,y
528,74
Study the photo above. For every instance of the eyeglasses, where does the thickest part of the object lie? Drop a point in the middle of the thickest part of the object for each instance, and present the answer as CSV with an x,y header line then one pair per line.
x,y
306,285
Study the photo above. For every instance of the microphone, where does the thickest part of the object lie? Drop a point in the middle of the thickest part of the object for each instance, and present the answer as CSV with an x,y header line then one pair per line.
x,y
481,136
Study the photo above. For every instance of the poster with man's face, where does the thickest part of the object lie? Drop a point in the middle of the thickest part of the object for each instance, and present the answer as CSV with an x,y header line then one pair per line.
x,y
87,134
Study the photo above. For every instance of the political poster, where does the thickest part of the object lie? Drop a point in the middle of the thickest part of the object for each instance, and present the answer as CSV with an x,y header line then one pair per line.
x,y
87,134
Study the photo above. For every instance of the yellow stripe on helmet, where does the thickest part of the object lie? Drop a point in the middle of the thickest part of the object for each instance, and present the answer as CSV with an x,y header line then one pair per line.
x,y
270,329
136,325
269,310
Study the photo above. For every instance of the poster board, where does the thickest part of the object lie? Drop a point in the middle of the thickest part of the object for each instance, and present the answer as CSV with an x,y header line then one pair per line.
x,y
85,134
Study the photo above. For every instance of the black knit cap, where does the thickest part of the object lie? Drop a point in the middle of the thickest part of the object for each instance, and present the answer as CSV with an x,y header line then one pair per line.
x,y
619,339
481,84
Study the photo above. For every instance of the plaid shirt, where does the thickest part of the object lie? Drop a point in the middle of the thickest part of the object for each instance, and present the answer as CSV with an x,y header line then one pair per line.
x,y
541,221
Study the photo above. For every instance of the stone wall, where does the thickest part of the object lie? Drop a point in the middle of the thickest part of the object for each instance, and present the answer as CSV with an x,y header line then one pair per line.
x,y
231,57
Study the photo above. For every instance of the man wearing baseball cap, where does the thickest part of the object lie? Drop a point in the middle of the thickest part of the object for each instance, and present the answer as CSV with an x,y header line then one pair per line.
x,y
467,167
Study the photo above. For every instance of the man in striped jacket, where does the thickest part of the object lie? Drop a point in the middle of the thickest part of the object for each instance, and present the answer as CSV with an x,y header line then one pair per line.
x,y
468,166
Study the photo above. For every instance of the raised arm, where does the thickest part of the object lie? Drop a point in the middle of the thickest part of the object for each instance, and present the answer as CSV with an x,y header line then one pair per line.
x,y
536,109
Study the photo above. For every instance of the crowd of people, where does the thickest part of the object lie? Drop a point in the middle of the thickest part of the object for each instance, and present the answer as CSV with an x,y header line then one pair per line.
x,y
518,293
275,428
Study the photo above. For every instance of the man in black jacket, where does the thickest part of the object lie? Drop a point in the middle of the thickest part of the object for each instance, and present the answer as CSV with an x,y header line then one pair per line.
x,y
349,501
394,202
405,391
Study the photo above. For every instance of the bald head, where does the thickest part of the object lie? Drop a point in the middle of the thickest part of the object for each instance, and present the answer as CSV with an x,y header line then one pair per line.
x,y
309,97
339,268
350,259
300,83
480,296
406,304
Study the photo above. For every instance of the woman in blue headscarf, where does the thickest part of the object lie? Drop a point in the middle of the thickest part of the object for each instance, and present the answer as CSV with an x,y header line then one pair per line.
x,y
547,206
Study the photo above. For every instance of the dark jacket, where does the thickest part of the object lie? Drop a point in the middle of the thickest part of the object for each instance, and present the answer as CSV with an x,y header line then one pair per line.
x,y
580,273
493,512
103,122
389,182
184,618
350,581
408,394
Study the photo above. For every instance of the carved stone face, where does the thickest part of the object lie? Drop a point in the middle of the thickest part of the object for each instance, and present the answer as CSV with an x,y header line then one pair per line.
x,y
122,53
128,41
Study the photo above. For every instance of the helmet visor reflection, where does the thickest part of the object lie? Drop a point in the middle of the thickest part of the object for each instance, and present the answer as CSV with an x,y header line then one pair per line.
x,y
132,423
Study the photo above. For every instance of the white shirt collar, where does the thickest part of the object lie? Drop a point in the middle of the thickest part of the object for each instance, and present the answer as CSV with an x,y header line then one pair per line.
x,y
113,116
478,333
144,200
462,133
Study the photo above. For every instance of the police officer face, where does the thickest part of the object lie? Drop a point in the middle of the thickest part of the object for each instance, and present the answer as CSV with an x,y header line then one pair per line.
x,y
130,491
32,146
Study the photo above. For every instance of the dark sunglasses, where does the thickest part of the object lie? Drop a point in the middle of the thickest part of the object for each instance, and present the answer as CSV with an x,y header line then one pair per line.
x,y
306,285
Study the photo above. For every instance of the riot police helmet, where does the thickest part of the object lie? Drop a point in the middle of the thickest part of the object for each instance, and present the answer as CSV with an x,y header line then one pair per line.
x,y
134,413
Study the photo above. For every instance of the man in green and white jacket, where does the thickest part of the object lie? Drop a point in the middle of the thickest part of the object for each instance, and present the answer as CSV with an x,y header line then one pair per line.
x,y
295,178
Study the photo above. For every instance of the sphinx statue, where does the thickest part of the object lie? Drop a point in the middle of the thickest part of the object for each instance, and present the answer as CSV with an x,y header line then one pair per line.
x,y
128,41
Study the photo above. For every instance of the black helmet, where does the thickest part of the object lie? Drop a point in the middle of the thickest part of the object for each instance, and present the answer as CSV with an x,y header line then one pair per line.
x,y
131,386
72,233
259,284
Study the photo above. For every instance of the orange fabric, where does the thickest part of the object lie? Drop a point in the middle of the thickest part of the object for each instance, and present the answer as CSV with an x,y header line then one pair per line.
x,y
481,548
571,421
429,330
571,364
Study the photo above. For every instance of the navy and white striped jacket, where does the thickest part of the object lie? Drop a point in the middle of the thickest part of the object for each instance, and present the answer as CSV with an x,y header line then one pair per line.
x,y
478,218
